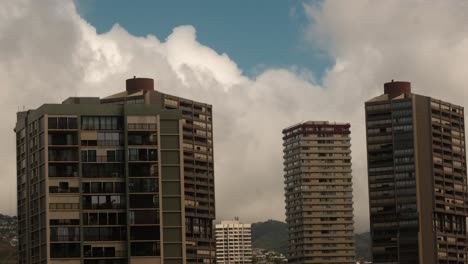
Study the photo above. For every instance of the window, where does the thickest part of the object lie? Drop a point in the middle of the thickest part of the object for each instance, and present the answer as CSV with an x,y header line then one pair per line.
x,y
65,250
109,139
62,123
101,123
88,155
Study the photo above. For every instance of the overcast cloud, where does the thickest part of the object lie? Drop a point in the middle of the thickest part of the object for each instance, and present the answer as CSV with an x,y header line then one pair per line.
x,y
48,53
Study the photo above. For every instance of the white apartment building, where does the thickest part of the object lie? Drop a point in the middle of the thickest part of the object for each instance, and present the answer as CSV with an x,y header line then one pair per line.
x,y
233,242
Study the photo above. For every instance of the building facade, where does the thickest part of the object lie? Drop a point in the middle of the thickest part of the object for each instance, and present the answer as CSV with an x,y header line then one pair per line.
x,y
319,207
417,178
233,243
110,181
197,137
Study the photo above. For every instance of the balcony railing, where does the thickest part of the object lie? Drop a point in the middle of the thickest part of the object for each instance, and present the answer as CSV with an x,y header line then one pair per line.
x,y
141,126
56,189
103,158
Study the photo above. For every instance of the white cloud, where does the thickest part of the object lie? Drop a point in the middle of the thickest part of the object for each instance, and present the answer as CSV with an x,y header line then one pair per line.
x,y
47,53
424,42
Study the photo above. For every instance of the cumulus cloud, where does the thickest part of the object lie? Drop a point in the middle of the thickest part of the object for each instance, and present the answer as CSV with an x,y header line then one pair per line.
x,y
48,52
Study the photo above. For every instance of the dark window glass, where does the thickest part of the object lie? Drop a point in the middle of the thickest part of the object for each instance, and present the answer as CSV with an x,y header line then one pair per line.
x,y
72,123
85,219
144,233
144,217
122,218
65,250
109,123
103,218
52,123
102,122
112,218
108,187
144,201
96,187
145,249
119,187
62,123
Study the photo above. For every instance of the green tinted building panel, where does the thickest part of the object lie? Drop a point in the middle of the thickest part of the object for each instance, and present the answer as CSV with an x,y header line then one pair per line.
x,y
171,204
170,157
172,219
169,127
170,142
172,234
171,188
172,250
170,173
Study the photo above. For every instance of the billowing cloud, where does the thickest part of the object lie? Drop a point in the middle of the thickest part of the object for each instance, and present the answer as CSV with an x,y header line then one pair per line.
x,y
48,53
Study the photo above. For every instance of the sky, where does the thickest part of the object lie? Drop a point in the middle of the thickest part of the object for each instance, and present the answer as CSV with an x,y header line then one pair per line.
x,y
263,66
255,34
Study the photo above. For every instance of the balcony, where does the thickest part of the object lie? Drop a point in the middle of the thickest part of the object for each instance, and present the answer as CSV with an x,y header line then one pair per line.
x,y
142,139
56,189
60,155
103,170
142,126
102,159
62,139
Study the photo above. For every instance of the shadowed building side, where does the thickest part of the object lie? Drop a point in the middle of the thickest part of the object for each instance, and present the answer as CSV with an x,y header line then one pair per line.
x,y
417,178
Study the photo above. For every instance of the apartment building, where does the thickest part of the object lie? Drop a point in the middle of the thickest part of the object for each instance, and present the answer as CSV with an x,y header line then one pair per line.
x,y
125,179
318,190
197,137
233,243
417,178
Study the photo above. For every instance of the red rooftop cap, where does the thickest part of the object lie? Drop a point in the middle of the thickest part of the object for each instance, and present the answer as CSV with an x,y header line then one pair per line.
x,y
135,85
394,89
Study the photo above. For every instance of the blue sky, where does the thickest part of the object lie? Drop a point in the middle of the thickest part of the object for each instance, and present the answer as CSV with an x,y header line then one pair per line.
x,y
255,34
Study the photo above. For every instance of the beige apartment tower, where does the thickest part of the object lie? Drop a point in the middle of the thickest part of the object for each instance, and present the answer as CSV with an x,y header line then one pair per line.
x,y
319,207
233,243
417,178
124,179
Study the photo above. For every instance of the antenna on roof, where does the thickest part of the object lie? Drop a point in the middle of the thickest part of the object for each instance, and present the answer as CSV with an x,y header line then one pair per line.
x,y
134,77
392,80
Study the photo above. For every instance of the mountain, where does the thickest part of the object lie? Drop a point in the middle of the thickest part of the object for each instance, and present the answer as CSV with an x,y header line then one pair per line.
x,y
8,226
273,235
7,253
363,246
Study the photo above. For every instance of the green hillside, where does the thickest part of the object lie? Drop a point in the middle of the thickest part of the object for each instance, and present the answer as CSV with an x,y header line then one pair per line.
x,y
7,233
7,253
363,246
273,235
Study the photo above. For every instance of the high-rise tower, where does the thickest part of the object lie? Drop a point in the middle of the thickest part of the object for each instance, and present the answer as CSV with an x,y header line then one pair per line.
x,y
319,207
197,137
417,178
125,179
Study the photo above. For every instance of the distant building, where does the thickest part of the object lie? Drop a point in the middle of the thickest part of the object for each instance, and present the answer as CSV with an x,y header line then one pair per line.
x,y
233,243
264,256
319,206
417,178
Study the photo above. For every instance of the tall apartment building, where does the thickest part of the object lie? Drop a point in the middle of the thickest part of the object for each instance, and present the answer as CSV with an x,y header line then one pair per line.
x,y
319,207
417,178
233,243
124,179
